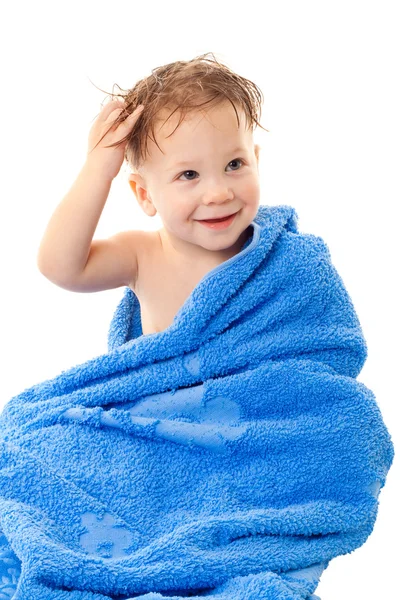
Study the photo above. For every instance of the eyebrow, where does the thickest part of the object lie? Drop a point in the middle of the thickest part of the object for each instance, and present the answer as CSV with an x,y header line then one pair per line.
x,y
183,163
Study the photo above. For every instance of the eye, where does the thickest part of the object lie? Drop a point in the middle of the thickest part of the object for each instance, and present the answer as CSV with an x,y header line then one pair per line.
x,y
184,173
235,160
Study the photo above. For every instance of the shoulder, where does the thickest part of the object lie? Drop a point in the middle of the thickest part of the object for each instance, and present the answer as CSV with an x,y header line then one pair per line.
x,y
136,240
132,237
141,245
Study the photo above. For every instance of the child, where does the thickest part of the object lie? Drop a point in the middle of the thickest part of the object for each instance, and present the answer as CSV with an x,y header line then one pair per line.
x,y
223,456
199,171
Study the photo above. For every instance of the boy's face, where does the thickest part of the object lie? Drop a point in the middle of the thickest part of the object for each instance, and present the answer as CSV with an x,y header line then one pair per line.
x,y
219,177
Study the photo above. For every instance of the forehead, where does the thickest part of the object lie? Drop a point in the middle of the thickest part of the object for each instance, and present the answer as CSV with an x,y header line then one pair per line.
x,y
217,124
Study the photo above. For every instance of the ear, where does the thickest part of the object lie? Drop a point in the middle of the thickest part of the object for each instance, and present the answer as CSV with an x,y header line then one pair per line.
x,y
257,154
139,188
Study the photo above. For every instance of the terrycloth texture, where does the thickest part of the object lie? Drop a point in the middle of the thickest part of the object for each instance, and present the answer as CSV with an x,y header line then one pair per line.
x,y
231,456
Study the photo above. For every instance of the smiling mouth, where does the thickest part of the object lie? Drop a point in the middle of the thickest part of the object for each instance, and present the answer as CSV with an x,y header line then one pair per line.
x,y
218,220
219,224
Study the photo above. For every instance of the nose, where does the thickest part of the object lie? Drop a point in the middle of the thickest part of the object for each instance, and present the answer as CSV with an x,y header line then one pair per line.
x,y
218,193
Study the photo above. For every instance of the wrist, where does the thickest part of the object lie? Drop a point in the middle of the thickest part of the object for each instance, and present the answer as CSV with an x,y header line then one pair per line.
x,y
93,169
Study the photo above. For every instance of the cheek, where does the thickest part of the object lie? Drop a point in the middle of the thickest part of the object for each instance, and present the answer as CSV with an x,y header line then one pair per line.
x,y
176,206
251,189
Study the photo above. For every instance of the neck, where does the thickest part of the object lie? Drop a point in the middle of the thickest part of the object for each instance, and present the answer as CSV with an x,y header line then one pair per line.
x,y
182,252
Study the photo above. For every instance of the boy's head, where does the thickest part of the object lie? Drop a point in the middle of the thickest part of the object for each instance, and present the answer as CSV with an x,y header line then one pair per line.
x,y
200,161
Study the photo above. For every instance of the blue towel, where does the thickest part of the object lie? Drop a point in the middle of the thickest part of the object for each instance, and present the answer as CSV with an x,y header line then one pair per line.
x,y
231,456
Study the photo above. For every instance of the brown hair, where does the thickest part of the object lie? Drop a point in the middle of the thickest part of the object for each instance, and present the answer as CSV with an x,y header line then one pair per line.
x,y
181,85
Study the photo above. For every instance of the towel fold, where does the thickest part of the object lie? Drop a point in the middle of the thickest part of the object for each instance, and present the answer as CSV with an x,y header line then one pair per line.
x,y
232,455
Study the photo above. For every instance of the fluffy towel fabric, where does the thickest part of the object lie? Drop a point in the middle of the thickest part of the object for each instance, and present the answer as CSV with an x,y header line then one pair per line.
x,y
232,455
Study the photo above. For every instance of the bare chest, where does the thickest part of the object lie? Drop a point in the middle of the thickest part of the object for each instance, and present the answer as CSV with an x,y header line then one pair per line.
x,y
162,288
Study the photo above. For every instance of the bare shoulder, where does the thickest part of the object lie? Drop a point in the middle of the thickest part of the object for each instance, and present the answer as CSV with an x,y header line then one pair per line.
x,y
112,263
143,245
115,261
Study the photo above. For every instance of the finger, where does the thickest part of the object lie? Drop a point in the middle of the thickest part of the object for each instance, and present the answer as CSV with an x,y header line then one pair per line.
x,y
129,119
135,113
109,108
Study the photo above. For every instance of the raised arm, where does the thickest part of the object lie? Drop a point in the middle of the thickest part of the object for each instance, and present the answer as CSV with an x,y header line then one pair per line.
x,y
67,256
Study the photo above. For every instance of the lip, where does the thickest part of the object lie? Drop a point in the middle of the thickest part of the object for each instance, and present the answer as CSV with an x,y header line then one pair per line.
x,y
219,224
221,217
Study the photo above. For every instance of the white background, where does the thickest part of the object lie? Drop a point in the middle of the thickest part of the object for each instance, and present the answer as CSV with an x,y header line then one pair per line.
x,y
329,72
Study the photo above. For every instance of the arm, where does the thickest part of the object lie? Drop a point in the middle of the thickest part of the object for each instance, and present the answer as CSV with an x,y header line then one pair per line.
x,y
67,256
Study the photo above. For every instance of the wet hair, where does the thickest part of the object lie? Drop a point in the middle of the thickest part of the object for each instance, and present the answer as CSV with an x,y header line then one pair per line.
x,y
184,86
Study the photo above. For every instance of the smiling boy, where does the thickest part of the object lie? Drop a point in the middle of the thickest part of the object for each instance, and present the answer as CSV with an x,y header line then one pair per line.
x,y
201,164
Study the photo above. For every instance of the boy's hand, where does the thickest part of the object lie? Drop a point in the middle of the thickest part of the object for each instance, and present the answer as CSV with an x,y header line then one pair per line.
x,y
108,161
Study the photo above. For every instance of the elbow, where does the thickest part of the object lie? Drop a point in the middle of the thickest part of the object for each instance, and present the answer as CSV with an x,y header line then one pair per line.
x,y
55,274
40,263
46,272
44,267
